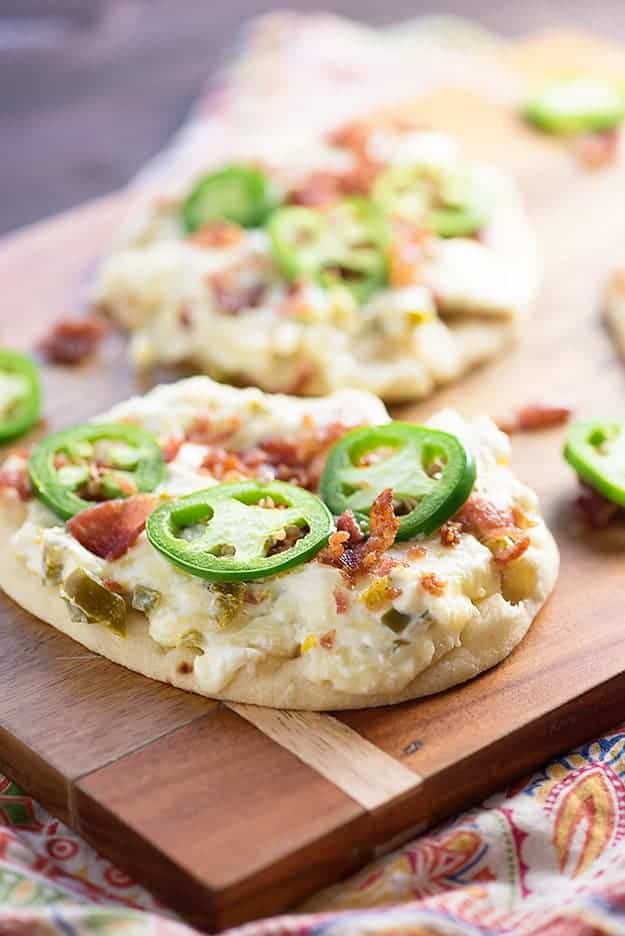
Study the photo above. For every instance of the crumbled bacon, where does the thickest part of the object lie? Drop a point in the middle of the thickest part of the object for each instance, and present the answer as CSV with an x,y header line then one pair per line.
x,y
203,431
406,254
72,341
318,190
494,526
170,447
536,416
233,297
340,600
596,150
347,522
300,459
433,583
416,552
596,511
217,234
109,529
328,640
354,559
18,479
304,374
450,534
294,304
184,316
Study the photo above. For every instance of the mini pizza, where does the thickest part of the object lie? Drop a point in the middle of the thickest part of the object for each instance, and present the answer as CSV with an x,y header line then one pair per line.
x,y
377,258
294,553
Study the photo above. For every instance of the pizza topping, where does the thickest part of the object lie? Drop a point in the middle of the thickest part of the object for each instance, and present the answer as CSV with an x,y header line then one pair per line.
x,y
536,416
346,244
341,601
320,189
109,529
379,593
433,583
241,531
170,448
595,510
407,254
359,556
15,475
242,195
232,297
430,473
144,599
596,150
577,105
20,394
328,640
89,600
495,527
72,341
219,233
100,462
596,450
451,534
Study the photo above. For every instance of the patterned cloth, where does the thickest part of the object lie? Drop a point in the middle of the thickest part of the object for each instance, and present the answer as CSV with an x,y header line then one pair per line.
x,y
543,857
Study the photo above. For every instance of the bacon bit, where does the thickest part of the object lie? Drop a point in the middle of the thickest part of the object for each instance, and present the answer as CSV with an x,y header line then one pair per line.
x,y
232,297
353,136
224,465
217,234
184,668
347,522
170,447
596,150
451,534
18,480
340,600
301,459
521,520
185,317
361,557
596,511
433,583
202,430
109,529
294,304
114,586
536,416
406,254
416,552
72,341
305,373
250,596
318,190
493,526
328,640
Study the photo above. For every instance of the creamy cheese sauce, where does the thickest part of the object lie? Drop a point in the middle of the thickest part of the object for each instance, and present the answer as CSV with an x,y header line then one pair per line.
x,y
326,342
293,614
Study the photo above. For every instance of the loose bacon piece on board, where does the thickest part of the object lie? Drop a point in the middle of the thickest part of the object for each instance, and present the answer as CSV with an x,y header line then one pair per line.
x,y
217,234
595,510
536,416
495,527
109,529
18,479
72,341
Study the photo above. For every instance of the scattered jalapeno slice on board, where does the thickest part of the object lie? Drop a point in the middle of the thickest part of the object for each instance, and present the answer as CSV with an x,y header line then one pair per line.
x,y
449,203
579,105
20,394
346,244
98,461
430,472
596,450
241,531
241,194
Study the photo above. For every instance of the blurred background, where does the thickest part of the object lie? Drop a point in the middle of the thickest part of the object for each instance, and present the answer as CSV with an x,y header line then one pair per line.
x,y
90,89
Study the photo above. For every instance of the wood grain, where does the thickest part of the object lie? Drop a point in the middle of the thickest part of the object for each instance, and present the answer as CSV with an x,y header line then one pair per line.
x,y
341,755
218,818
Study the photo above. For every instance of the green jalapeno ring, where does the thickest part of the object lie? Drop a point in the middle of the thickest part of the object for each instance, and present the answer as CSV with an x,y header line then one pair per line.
x,y
596,450
242,194
54,485
554,108
448,202
297,237
234,533
25,411
414,451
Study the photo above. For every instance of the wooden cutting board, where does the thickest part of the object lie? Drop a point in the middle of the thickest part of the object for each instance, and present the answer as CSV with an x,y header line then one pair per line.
x,y
230,812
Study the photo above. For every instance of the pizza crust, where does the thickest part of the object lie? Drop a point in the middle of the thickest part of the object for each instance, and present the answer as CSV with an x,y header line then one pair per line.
x,y
485,641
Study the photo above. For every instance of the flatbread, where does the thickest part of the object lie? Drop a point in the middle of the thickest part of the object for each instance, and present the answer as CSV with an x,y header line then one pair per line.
x,y
484,643
261,656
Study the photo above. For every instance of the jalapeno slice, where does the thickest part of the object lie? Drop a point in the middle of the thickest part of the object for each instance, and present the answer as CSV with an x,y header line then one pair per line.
x,y
236,193
20,394
448,202
241,531
95,462
596,450
579,105
346,244
430,472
